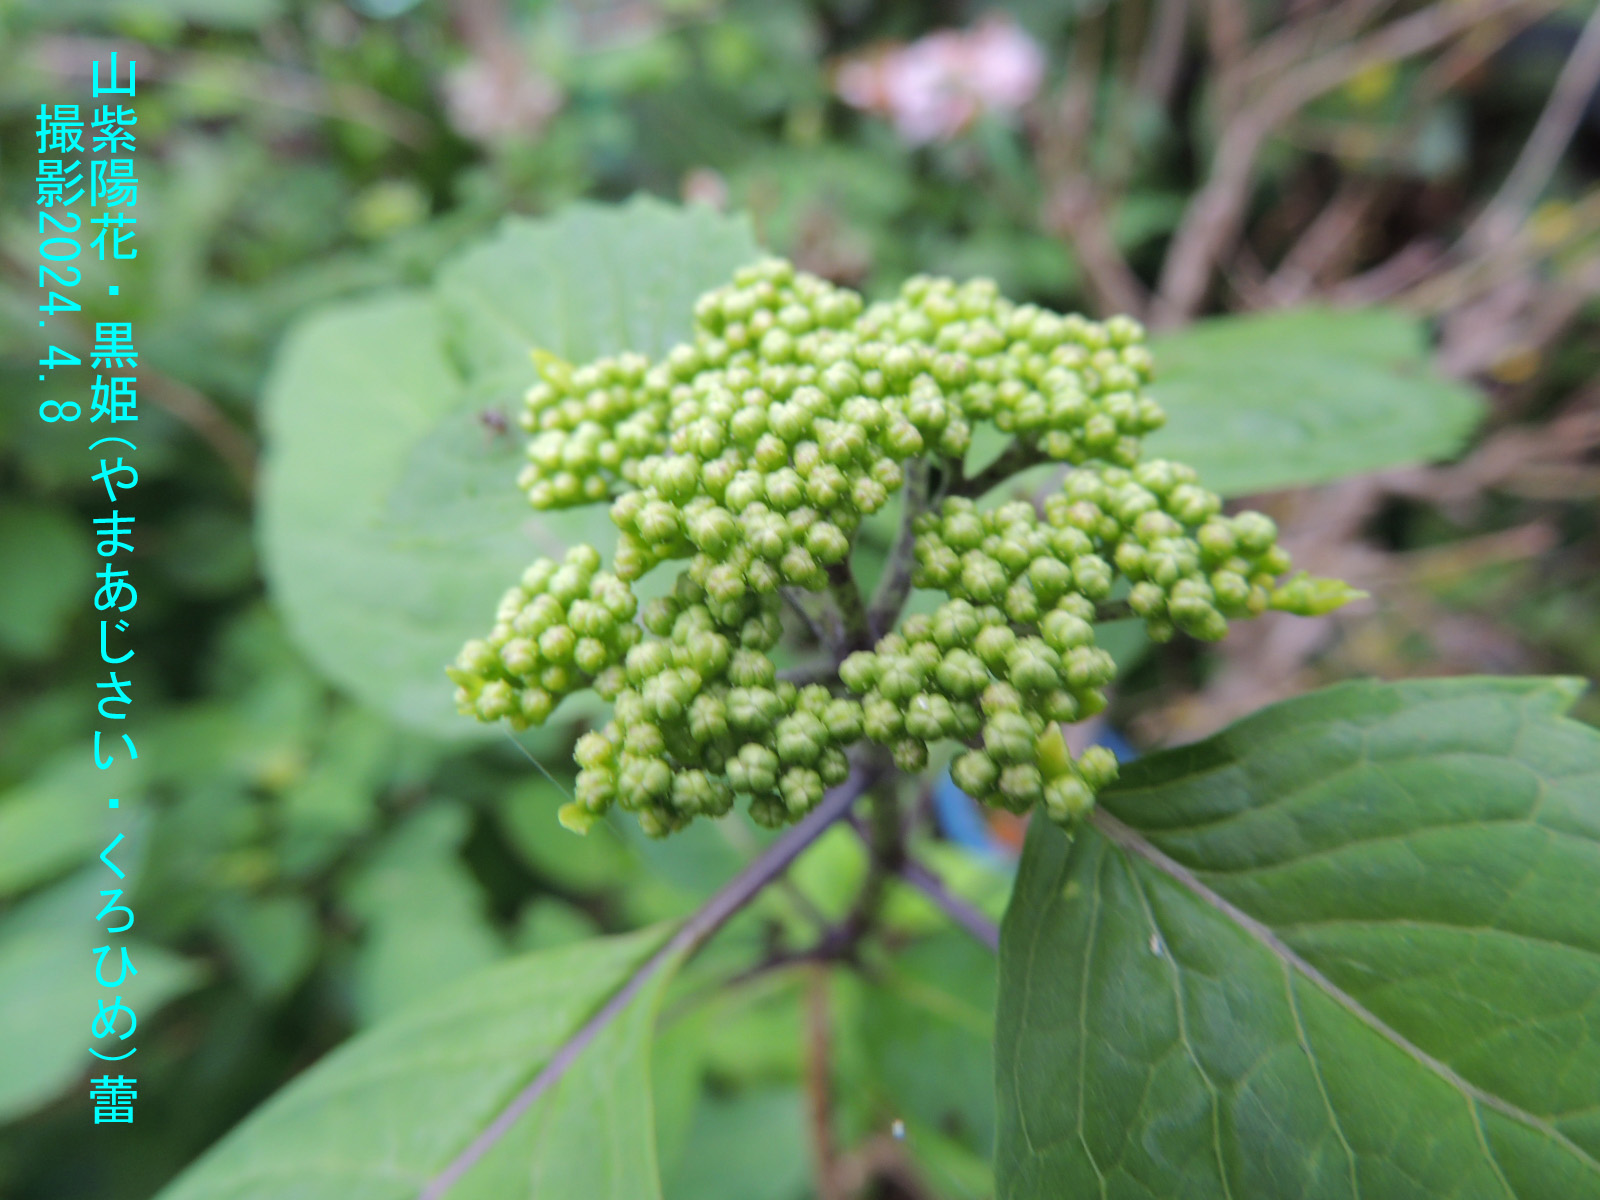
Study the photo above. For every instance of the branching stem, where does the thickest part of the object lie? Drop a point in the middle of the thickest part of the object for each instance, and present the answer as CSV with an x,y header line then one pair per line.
x,y
1018,456
1113,610
856,634
693,934
895,585
953,906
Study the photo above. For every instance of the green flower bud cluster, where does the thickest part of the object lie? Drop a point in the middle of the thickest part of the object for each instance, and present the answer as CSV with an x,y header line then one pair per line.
x,y
1191,568
1067,385
782,429
702,718
1010,559
754,450
966,673
565,626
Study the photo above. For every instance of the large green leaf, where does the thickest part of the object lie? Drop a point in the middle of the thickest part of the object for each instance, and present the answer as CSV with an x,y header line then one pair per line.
x,y
391,521
1301,397
383,1114
377,606
1348,947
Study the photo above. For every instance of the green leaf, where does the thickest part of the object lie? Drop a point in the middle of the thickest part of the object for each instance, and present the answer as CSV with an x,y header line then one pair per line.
x,y
592,1137
424,915
748,1146
546,922
382,1115
48,989
391,520
1294,398
351,394
1348,947
927,1030
592,281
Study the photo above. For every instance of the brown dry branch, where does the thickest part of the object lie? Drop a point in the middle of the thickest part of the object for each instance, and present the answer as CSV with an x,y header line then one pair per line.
x,y
1216,215
1541,153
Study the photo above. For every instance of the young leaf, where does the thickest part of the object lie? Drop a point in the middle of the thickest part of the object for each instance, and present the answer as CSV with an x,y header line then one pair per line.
x,y
1295,398
1294,960
386,1112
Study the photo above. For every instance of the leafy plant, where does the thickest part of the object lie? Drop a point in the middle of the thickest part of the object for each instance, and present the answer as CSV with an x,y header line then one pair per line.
x,y
1290,960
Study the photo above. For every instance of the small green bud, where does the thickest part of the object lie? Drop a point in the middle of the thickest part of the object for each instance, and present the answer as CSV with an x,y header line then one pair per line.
x,y
1009,737
909,754
1098,766
801,788
975,773
859,672
1307,596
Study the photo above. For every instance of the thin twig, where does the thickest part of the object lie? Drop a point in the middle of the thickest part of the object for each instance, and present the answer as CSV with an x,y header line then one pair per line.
x,y
1018,456
1077,211
1413,264
953,906
203,415
1214,217
1331,234
1546,144
895,586
693,934
1227,27
1163,51
819,1099
855,632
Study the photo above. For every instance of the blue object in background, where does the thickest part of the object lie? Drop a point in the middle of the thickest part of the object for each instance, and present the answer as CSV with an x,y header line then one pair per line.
x,y
961,818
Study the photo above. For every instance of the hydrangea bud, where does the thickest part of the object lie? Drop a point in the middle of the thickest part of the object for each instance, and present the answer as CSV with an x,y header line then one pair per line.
x,y
752,453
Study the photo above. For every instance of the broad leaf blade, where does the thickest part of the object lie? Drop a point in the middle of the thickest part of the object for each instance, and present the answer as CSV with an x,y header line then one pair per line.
x,y
377,607
592,1137
380,1116
1347,947
1306,396
593,281
390,513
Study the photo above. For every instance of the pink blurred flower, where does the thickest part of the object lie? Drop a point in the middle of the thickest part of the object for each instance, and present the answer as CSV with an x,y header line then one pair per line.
x,y
936,86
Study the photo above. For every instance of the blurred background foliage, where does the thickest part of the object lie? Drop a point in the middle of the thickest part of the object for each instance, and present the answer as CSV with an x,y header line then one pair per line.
x,y
303,865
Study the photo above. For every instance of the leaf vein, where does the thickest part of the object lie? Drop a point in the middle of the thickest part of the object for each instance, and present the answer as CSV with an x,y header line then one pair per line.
x,y
1130,841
